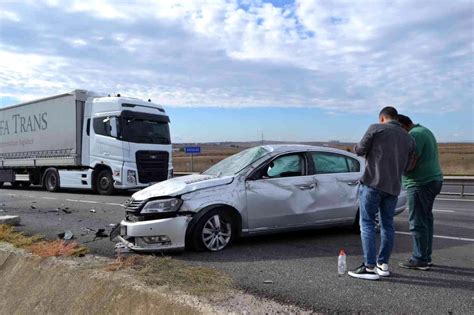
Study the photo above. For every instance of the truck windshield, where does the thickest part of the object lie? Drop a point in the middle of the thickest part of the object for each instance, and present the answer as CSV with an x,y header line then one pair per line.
x,y
237,162
146,130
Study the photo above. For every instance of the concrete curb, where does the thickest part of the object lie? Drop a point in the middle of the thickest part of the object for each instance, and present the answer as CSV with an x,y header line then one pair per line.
x,y
30,284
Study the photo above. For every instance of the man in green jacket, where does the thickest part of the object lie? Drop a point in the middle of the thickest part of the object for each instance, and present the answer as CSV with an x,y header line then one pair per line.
x,y
423,183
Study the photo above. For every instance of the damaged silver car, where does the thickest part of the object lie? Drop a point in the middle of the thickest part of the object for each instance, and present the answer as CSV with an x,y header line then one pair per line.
x,y
260,190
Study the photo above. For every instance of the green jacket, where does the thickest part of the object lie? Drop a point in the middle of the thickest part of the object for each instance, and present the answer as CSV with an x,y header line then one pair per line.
x,y
427,168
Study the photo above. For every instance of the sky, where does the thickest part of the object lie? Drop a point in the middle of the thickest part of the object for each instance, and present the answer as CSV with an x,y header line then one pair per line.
x,y
230,70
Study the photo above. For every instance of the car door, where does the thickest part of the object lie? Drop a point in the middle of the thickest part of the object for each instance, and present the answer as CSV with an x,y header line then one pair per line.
x,y
337,177
278,195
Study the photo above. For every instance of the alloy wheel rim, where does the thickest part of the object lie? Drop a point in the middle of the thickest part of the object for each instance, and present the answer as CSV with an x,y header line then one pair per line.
x,y
216,233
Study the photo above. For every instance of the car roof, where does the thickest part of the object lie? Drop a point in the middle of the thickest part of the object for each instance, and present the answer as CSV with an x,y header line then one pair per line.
x,y
282,148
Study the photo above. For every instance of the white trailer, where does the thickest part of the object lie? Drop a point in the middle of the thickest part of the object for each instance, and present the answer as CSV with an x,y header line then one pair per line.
x,y
84,140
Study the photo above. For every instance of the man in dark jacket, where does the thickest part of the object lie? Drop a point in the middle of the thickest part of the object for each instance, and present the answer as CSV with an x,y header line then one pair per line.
x,y
388,150
423,183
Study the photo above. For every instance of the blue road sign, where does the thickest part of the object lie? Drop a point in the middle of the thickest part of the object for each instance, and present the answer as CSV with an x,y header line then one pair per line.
x,y
192,150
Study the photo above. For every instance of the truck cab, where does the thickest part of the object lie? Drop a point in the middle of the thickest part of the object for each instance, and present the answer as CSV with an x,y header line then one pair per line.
x,y
129,137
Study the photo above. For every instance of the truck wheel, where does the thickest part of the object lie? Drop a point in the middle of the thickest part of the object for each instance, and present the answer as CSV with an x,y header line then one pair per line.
x,y
214,231
105,183
15,184
51,181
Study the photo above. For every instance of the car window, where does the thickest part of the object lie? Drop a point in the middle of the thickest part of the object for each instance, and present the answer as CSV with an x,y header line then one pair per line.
x,y
327,163
354,165
285,166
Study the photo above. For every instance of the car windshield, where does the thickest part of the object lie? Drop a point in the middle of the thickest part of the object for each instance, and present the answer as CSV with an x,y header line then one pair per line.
x,y
237,162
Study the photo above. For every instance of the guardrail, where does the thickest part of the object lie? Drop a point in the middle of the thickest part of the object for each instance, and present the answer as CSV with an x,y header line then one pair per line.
x,y
460,181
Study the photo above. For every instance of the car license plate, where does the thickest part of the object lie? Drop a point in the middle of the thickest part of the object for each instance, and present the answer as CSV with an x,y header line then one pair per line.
x,y
115,232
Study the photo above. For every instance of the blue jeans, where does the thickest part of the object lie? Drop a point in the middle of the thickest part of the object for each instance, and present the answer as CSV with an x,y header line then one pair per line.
x,y
420,218
371,201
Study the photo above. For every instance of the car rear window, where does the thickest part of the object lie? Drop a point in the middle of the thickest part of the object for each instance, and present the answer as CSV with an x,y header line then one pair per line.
x,y
327,163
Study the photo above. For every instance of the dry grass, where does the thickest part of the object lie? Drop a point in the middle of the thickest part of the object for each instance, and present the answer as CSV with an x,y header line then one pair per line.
x,y
58,248
124,262
38,246
166,271
18,239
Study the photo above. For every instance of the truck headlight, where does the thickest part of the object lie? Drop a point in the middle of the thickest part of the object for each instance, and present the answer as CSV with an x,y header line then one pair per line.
x,y
131,177
162,205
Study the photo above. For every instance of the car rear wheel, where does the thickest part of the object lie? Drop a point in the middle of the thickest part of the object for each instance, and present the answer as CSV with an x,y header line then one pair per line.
x,y
214,231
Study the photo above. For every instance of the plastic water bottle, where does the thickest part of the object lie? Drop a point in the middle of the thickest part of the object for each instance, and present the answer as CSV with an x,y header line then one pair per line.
x,y
341,263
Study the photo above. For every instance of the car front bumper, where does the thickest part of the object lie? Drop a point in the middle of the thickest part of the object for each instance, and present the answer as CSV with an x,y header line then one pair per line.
x,y
152,236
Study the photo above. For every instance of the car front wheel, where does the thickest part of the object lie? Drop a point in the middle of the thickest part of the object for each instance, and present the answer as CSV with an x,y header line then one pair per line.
x,y
214,231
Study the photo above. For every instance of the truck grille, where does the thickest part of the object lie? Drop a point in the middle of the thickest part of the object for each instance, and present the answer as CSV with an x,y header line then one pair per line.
x,y
152,166
134,205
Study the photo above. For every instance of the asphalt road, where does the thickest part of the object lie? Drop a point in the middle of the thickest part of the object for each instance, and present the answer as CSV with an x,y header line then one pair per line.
x,y
302,266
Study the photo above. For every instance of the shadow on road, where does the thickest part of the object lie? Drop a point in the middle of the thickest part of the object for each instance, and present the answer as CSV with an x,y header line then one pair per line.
x,y
434,282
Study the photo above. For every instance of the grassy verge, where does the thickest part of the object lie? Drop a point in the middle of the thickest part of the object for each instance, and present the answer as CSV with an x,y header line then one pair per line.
x,y
166,271
38,245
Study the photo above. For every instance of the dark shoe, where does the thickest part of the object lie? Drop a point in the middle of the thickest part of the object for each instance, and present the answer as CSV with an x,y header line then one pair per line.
x,y
364,272
413,264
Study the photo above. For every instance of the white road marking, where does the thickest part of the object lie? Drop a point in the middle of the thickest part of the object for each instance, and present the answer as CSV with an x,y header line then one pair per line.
x,y
49,198
442,236
87,201
447,199
73,200
113,204
442,210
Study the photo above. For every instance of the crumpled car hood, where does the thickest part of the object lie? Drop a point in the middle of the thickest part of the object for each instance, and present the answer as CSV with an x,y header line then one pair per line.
x,y
181,185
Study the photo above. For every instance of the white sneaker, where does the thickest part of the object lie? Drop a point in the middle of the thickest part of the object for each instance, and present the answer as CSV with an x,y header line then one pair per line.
x,y
382,270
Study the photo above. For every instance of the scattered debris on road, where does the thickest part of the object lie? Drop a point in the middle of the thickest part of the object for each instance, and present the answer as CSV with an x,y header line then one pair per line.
x,y
67,235
93,211
101,233
267,281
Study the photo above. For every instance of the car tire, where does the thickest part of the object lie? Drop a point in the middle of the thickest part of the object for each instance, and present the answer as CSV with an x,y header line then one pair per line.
x,y
51,180
214,231
105,183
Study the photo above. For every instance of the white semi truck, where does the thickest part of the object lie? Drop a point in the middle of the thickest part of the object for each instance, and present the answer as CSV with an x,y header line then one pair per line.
x,y
83,140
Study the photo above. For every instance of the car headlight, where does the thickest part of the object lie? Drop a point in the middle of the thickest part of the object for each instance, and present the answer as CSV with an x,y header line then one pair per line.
x,y
162,205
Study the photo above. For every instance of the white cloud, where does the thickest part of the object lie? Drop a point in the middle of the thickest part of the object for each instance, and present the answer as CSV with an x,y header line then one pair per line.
x,y
340,56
